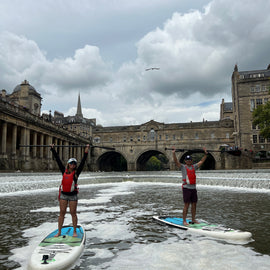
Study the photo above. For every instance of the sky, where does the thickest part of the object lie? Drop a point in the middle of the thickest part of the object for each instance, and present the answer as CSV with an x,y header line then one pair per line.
x,y
102,50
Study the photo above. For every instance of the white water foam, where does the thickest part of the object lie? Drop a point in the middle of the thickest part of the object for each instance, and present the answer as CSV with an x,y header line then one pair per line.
x,y
186,251
178,254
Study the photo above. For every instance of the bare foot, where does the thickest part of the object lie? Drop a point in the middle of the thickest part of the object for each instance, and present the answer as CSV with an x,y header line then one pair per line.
x,y
74,234
196,222
57,235
185,223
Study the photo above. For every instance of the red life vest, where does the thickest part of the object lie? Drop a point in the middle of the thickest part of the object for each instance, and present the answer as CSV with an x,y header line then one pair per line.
x,y
68,184
191,176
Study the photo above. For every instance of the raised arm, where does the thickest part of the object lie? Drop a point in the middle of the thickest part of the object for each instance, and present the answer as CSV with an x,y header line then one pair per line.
x,y
59,162
80,168
176,161
200,163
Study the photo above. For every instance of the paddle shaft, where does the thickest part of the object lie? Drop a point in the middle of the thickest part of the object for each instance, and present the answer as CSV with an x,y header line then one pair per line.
x,y
191,150
45,145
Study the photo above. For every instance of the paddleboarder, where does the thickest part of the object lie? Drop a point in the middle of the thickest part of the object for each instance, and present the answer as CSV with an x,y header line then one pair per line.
x,y
189,183
68,189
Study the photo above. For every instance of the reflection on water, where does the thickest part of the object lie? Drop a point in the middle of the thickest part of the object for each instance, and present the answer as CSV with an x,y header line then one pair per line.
x,y
117,214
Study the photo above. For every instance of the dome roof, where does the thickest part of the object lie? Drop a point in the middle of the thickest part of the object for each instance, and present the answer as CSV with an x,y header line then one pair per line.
x,y
30,87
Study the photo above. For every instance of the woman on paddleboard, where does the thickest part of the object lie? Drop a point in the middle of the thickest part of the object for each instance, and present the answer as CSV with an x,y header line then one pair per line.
x,y
189,184
69,188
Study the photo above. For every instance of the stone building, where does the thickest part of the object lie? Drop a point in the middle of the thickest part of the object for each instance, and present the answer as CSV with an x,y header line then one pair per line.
x,y
249,90
26,96
78,124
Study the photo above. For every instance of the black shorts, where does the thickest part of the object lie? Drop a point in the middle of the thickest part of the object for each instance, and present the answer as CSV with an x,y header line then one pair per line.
x,y
190,195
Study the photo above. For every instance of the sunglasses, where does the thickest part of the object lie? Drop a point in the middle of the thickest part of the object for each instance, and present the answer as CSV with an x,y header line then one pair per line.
x,y
73,163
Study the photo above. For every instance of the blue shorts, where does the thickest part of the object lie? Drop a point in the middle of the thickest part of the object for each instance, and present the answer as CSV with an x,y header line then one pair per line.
x,y
68,197
190,195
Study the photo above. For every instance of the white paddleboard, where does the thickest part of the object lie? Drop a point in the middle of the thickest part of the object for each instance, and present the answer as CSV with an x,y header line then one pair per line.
x,y
205,228
58,252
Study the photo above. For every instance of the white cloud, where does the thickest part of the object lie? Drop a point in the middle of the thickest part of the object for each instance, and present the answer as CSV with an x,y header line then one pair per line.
x,y
71,49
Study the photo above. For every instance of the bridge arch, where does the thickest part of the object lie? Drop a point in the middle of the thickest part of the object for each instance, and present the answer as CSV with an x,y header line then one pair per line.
x,y
209,164
112,161
144,157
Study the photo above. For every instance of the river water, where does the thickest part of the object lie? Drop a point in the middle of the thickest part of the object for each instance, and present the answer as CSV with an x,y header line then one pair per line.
x,y
116,210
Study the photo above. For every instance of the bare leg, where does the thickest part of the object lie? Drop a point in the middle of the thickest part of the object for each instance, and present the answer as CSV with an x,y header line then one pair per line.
x,y
193,213
73,212
63,208
185,211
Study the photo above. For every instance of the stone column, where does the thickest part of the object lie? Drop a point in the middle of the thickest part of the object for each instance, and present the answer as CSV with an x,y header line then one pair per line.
x,y
27,141
4,139
34,143
65,152
48,142
23,142
41,150
14,140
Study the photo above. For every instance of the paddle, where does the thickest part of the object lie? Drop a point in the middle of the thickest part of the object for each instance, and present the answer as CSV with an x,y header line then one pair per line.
x,y
45,145
235,152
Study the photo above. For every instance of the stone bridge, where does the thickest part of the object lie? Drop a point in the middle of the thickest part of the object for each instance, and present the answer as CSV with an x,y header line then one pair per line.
x,y
134,145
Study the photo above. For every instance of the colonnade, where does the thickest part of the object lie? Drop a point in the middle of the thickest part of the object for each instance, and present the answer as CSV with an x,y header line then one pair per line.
x,y
26,147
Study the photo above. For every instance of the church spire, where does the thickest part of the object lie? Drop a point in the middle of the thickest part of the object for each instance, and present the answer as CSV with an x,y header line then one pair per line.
x,y
79,108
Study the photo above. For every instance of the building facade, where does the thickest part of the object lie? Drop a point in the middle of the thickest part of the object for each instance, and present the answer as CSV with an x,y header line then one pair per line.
x,y
250,89
137,143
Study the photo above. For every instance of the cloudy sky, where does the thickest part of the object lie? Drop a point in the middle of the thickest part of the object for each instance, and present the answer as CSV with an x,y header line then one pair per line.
x,y
102,48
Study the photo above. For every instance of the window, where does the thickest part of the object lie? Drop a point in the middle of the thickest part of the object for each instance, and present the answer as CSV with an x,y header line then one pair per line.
x,y
252,89
167,137
196,136
152,135
97,139
261,139
252,105
131,138
173,137
139,138
258,88
124,139
160,137
255,139
258,102
227,135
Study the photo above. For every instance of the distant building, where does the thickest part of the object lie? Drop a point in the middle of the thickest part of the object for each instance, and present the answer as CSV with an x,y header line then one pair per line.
x,y
77,124
249,90
25,96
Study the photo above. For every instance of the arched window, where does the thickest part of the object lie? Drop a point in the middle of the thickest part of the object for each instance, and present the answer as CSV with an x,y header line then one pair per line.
x,y
152,135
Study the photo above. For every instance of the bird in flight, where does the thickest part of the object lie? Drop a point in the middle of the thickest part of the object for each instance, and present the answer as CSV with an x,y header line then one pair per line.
x,y
153,68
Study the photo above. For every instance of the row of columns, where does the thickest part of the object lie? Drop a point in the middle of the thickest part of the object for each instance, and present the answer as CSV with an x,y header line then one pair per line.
x,y
12,136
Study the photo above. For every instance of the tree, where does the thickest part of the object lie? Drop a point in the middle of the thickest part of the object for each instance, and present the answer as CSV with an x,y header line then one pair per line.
x,y
261,117
153,164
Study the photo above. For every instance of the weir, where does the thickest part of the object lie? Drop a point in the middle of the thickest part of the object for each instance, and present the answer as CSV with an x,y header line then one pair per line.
x,y
25,183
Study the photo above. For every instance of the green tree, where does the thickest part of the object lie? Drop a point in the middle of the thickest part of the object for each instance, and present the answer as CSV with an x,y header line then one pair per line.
x,y
261,117
153,164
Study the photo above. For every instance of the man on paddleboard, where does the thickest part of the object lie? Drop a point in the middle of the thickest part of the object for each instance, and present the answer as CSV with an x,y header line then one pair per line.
x,y
69,188
189,184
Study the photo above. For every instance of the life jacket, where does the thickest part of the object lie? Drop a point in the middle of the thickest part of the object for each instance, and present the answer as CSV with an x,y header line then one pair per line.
x,y
191,176
68,185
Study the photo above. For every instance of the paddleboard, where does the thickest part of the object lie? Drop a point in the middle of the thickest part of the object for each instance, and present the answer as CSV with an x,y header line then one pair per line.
x,y
58,252
205,228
